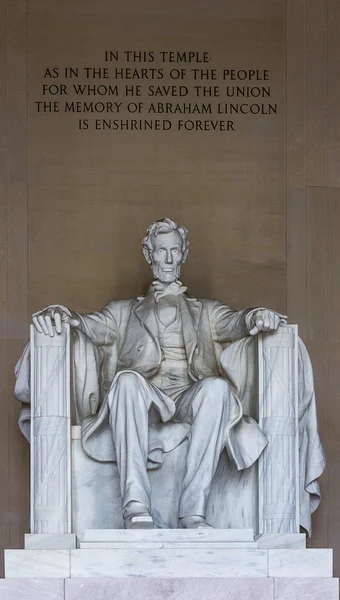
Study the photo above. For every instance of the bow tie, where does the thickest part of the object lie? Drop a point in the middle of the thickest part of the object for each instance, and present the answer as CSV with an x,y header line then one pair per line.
x,y
174,289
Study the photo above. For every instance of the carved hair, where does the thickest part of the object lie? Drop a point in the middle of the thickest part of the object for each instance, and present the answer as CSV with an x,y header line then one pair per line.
x,y
165,226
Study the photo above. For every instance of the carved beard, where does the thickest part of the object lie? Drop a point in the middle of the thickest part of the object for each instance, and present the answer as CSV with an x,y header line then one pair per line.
x,y
159,273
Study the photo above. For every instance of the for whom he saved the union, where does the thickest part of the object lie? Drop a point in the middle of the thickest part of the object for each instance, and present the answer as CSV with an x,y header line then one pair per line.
x,y
158,363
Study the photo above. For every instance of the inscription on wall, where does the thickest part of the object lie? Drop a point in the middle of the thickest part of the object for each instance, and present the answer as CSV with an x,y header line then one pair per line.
x,y
133,90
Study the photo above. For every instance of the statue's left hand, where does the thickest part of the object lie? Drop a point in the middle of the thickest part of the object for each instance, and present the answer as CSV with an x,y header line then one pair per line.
x,y
266,320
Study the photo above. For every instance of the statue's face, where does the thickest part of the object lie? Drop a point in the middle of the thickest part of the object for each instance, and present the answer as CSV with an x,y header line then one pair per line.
x,y
167,256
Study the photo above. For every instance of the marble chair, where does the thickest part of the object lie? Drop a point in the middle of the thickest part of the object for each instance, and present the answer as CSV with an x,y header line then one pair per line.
x,y
70,492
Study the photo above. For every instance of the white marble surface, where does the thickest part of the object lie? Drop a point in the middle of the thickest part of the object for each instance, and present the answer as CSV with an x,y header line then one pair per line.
x,y
164,561
96,500
37,563
174,545
300,563
169,538
168,563
166,589
281,540
32,589
279,507
306,589
186,538
169,535
48,541
50,432
220,588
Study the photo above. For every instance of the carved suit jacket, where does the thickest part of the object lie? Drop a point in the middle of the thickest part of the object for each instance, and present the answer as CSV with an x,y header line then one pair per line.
x,y
128,330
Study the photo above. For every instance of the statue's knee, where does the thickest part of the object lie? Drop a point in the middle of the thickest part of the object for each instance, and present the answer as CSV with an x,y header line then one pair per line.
x,y
127,390
216,392
216,385
126,379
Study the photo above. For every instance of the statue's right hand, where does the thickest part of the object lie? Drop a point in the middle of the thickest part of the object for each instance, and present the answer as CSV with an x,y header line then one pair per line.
x,y
49,320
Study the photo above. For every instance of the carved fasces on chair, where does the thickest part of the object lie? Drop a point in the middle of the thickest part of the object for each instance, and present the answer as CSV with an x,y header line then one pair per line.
x,y
278,419
50,432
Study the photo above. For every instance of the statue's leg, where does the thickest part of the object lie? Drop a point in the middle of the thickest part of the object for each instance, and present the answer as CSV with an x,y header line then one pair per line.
x,y
129,405
206,405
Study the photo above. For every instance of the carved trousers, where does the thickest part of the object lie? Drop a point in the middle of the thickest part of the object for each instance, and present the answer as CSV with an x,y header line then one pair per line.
x,y
205,406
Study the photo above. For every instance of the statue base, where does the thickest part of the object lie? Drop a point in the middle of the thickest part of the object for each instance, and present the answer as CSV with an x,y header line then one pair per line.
x,y
222,588
157,563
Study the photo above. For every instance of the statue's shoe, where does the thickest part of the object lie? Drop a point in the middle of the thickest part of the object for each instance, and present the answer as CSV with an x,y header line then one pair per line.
x,y
194,522
139,521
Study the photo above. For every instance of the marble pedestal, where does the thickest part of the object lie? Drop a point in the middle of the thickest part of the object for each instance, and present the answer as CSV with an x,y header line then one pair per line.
x,y
157,564
175,589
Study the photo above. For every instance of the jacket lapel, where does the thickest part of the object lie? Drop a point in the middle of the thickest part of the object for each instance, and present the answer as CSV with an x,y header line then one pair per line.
x,y
145,311
191,310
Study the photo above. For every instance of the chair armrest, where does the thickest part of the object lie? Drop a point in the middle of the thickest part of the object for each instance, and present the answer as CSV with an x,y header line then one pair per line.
x,y
278,418
50,432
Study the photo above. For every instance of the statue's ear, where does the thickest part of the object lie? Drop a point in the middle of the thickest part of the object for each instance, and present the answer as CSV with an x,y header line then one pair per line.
x,y
146,253
185,255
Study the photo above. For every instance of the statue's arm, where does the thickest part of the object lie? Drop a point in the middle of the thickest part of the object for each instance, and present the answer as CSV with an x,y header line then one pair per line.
x,y
99,326
230,325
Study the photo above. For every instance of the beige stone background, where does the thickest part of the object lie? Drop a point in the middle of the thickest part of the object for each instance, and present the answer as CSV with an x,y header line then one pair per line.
x,y
262,203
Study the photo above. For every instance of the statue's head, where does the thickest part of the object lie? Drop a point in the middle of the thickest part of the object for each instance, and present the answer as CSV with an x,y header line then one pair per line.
x,y
165,248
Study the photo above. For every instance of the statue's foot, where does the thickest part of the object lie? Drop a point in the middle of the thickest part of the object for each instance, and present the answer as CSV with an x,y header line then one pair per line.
x,y
139,521
194,522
